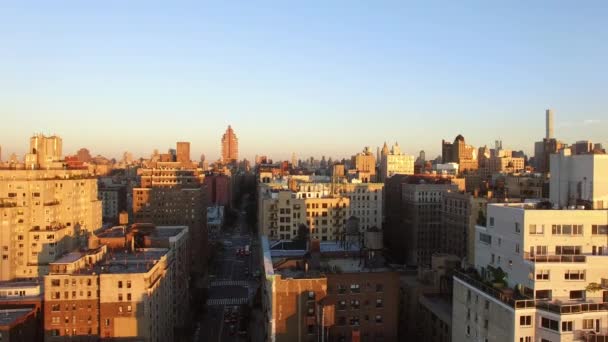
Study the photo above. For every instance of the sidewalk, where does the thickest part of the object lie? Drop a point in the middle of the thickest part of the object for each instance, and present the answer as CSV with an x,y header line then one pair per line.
x,y
257,326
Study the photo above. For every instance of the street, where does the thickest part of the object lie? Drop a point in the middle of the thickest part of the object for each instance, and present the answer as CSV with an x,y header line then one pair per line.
x,y
232,287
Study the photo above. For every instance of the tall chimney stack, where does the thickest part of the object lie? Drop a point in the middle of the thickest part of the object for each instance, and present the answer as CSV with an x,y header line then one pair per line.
x,y
549,124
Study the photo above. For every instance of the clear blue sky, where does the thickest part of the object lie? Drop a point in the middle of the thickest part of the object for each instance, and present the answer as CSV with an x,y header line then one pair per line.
x,y
310,77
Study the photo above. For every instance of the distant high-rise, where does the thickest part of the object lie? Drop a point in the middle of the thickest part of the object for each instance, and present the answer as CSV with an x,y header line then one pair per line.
x,y
549,124
43,151
230,146
183,152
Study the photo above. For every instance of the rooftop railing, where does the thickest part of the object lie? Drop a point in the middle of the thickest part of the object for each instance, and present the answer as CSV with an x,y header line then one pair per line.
x,y
555,257
555,306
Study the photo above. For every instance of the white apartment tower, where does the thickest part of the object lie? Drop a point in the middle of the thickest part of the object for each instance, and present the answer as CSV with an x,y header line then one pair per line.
x,y
396,162
541,268
549,124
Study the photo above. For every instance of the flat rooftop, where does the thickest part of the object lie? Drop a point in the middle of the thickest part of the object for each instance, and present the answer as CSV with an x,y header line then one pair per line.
x,y
69,258
10,316
117,231
140,261
155,231
440,305
19,284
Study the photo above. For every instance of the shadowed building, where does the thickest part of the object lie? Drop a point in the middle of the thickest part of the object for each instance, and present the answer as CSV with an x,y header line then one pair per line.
x,y
173,195
332,291
137,294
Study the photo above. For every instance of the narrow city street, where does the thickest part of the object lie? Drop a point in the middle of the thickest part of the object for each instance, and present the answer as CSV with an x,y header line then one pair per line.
x,y
233,283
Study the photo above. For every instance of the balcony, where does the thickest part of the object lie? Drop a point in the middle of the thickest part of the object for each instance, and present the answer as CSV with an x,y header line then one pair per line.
x,y
590,336
555,258
520,302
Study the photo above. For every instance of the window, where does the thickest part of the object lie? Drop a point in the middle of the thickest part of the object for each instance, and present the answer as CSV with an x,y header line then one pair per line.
x,y
485,238
355,304
517,229
599,229
120,284
567,250
542,275
543,294
128,296
379,303
341,289
534,229
491,222
577,294
120,297
56,307
525,339
55,282
468,330
549,324
354,320
355,288
587,323
342,305
107,322
311,295
525,320
485,324
567,326
487,305
574,275
378,319
379,287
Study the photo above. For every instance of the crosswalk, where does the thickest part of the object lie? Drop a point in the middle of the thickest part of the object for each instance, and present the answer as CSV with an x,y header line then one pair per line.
x,y
228,283
227,301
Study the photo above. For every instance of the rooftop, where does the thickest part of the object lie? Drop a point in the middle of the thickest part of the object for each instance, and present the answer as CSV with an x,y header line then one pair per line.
x,y
10,316
440,305
542,205
117,231
69,258
141,261
18,284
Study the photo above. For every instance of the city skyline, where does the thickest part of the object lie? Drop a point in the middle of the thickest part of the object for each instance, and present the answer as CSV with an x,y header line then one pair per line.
x,y
484,72
72,147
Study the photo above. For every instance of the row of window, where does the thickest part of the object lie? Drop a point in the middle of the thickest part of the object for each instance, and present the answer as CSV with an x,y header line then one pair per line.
x,y
568,275
356,288
568,229
547,323
355,304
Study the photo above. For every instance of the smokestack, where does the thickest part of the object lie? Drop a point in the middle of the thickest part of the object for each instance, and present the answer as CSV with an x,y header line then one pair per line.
x,y
549,124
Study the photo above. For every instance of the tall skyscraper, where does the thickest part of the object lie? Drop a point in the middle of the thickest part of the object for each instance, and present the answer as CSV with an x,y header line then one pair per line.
x,y
230,146
183,152
549,123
